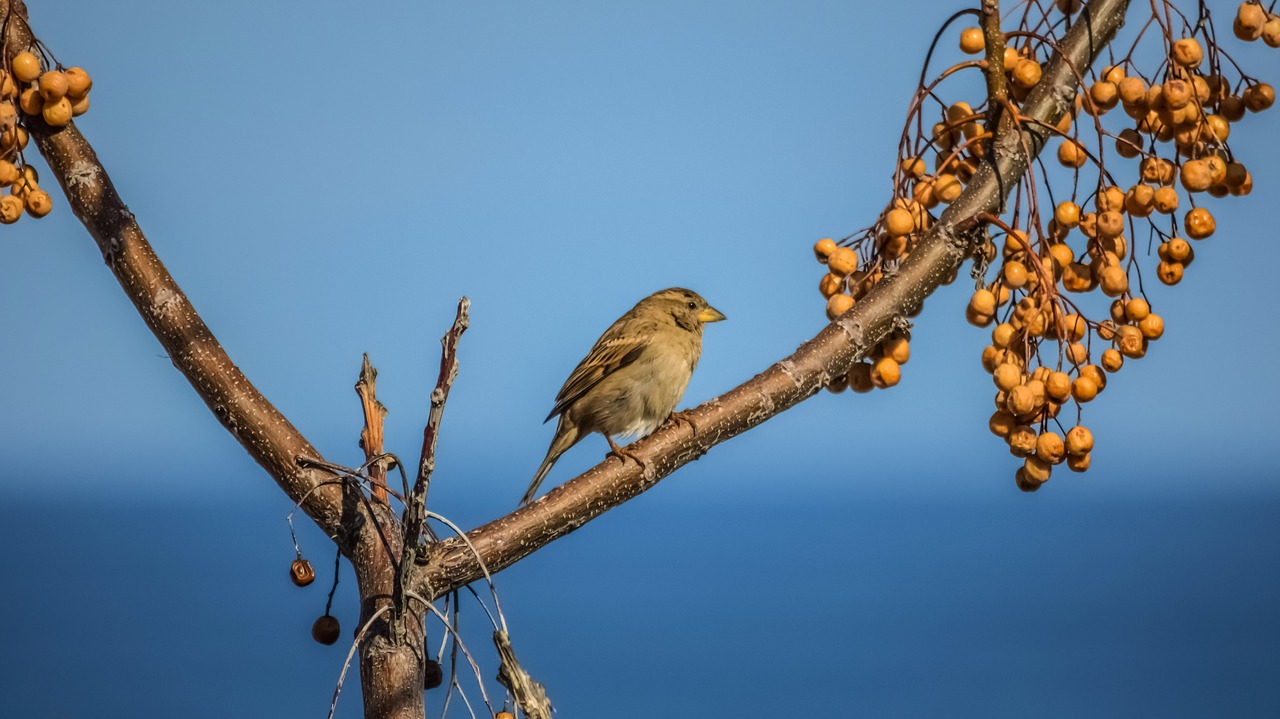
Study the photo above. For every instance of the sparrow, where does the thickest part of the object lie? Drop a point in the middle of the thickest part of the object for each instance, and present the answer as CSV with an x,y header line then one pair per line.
x,y
633,378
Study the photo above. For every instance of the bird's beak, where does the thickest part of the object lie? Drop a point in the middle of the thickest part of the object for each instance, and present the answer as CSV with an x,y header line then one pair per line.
x,y
710,314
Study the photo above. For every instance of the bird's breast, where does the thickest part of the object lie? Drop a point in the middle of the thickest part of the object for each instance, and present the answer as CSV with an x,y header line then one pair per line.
x,y
639,397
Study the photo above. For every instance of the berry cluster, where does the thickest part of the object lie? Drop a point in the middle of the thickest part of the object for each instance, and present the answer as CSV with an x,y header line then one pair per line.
x,y
28,91
1044,260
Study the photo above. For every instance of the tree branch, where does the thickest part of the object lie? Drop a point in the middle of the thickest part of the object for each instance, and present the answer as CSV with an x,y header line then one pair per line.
x,y
846,340
259,427
375,415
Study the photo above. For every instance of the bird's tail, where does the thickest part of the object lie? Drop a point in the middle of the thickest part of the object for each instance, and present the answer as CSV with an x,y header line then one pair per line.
x,y
566,436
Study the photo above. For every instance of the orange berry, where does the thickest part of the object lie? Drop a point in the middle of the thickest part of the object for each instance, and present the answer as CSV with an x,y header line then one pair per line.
x,y
1078,462
1072,154
1130,342
1136,309
1050,448
1152,326
1220,127
38,203
898,222
1139,201
1133,90
1077,353
1074,326
1104,95
1058,386
31,102
1007,376
1200,224
1001,423
1079,440
983,302
897,348
10,209
1187,52
1002,335
1196,176
1077,277
1014,274
53,86
1095,373
1165,200
57,113
1084,389
1114,281
977,319
1062,255
947,187
885,373
1110,224
1271,32
830,284
1022,441
838,305
1067,214
1259,97
1037,470
1250,19
1170,273
1026,73
843,261
26,67
1021,400
78,82
823,248
1112,360
971,41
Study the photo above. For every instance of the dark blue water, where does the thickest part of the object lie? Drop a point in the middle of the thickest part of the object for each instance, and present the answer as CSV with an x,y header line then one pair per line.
x,y
680,606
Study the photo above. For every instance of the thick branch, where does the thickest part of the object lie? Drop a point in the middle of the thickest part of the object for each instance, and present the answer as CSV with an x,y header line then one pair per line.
x,y
507,539
247,415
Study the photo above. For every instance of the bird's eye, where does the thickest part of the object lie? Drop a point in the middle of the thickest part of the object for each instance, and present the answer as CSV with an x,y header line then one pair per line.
x,y
693,306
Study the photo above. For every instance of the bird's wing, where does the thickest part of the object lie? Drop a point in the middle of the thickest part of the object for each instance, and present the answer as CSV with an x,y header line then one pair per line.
x,y
610,354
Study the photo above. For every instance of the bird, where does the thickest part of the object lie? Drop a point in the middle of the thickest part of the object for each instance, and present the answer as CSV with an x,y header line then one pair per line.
x,y
633,377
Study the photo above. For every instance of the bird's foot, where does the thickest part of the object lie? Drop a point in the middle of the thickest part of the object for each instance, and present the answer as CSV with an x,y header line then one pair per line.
x,y
683,418
623,455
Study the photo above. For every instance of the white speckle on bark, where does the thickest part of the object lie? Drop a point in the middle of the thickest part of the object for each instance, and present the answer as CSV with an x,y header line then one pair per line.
x,y
854,334
788,368
82,173
165,301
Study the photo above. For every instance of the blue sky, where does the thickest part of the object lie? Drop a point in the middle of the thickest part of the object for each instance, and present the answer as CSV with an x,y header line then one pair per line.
x,y
324,182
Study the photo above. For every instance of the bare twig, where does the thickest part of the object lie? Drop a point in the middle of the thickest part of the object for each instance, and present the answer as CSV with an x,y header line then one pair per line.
x,y
529,694
371,435
415,509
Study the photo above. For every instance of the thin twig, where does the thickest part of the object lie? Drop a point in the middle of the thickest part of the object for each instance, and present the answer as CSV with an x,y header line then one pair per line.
x,y
415,508
371,434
